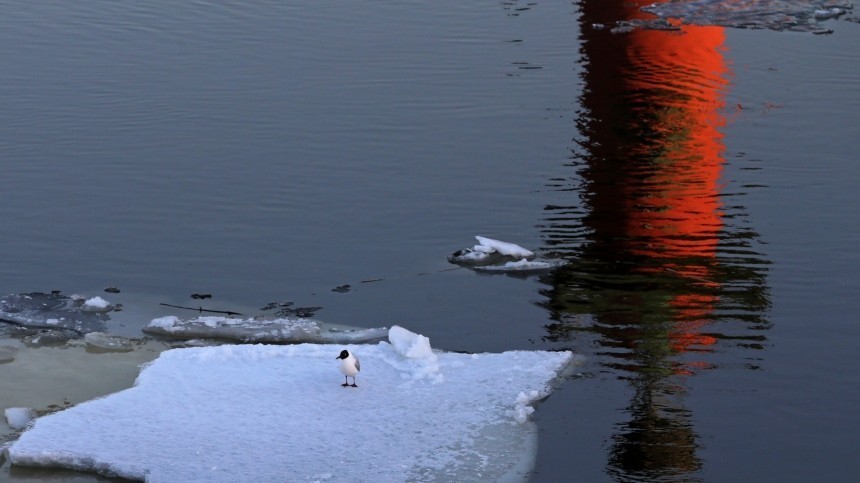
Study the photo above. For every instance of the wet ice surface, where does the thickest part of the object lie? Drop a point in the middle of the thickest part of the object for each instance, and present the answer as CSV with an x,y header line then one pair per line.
x,y
794,15
260,329
418,414
55,311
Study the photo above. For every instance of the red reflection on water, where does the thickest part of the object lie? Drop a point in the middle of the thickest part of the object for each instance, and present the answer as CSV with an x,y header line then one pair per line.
x,y
655,100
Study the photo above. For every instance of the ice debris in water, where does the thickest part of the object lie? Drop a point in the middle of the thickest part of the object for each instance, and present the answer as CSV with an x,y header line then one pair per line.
x,y
490,251
505,248
497,256
96,304
51,311
18,418
194,413
796,15
259,329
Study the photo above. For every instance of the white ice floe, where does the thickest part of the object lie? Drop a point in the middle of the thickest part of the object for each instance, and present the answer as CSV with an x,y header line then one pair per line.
x,y
270,412
489,250
260,329
18,418
510,249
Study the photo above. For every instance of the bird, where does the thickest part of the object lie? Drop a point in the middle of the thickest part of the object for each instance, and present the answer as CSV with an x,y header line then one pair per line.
x,y
349,367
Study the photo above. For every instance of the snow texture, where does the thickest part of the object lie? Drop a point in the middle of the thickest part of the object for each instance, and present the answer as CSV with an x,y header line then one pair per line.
x,y
275,412
96,304
17,418
489,245
259,329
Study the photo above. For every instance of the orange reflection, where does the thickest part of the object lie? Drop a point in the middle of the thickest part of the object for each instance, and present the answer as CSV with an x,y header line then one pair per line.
x,y
655,154
652,167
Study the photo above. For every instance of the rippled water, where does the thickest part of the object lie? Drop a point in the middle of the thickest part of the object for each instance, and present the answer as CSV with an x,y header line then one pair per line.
x,y
698,182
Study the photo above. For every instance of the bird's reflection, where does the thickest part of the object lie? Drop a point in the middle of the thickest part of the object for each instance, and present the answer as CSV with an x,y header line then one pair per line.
x,y
661,273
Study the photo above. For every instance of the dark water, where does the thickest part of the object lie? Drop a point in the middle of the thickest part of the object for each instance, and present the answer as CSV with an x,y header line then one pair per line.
x,y
701,186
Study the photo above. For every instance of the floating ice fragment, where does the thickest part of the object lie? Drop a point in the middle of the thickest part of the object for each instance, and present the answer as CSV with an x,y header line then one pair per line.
x,y
286,402
260,329
96,304
505,248
489,251
18,418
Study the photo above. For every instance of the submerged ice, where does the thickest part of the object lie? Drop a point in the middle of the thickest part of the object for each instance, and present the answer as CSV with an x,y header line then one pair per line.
x,y
259,412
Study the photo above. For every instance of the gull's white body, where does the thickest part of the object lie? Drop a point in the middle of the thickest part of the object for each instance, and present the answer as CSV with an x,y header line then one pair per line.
x,y
349,366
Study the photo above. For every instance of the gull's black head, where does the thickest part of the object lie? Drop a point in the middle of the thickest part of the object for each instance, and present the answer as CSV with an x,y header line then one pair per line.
x,y
343,354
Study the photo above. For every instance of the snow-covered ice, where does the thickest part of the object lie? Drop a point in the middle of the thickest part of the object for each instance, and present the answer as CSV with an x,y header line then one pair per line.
x,y
276,412
260,329
96,304
489,251
496,256
505,248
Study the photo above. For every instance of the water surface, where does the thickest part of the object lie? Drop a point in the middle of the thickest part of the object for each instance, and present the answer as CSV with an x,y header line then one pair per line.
x,y
699,184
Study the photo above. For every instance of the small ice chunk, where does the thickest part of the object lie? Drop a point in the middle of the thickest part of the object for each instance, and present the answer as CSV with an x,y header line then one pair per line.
x,y
409,344
523,409
18,418
505,248
418,355
96,304
167,323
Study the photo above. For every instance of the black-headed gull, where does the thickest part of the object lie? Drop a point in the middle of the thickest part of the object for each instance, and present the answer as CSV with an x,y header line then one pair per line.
x,y
349,366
